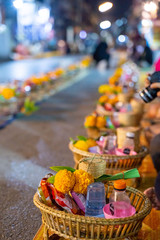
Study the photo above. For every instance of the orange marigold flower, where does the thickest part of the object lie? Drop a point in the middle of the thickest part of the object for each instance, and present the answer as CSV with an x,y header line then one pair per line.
x,y
64,181
8,93
82,145
90,121
103,99
83,179
101,122
91,142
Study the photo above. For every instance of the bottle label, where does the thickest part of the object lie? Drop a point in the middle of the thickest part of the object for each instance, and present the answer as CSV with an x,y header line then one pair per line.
x,y
126,151
111,208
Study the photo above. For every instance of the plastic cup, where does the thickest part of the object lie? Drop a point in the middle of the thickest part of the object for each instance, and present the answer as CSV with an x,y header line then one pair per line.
x,y
95,199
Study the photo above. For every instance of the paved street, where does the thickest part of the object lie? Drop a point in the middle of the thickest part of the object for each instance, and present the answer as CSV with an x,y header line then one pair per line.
x,y
23,69
30,145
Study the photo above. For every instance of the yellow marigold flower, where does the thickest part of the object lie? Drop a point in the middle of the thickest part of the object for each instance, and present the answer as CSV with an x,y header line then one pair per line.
x,y
45,78
58,72
113,100
64,181
83,179
72,67
86,62
103,99
8,93
90,121
104,88
113,80
118,89
101,122
82,145
118,72
91,142
36,80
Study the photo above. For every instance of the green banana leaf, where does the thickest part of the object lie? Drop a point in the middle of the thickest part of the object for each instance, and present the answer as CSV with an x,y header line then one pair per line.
x,y
58,168
133,173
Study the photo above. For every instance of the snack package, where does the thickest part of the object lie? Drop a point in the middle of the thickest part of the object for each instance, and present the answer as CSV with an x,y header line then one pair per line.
x,y
80,200
67,203
44,193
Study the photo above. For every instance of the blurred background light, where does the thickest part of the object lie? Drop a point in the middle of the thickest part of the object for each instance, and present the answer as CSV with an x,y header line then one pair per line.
x,y
61,43
119,22
146,23
122,38
150,6
145,15
105,24
82,34
43,15
105,6
48,27
2,28
18,4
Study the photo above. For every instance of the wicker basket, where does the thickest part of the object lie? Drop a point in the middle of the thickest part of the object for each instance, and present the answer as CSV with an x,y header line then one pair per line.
x,y
97,132
125,119
113,162
137,106
95,166
77,227
125,97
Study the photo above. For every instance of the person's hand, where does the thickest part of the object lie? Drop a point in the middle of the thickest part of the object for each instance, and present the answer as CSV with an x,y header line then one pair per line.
x,y
147,82
156,85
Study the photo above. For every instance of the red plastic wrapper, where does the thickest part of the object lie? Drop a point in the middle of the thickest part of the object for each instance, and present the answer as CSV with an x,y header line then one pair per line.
x,y
44,192
67,203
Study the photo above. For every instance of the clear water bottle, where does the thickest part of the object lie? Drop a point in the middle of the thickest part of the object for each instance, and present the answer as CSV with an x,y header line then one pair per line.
x,y
119,202
129,145
111,144
95,200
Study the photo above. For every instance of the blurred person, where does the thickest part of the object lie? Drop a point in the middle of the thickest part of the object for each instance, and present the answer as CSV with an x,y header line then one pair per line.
x,y
153,193
101,53
142,54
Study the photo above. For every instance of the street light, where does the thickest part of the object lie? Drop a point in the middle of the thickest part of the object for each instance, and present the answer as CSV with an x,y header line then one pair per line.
x,y
18,4
105,24
105,6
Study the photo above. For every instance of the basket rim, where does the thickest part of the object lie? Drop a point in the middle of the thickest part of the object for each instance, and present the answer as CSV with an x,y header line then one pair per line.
x,y
105,112
84,219
143,152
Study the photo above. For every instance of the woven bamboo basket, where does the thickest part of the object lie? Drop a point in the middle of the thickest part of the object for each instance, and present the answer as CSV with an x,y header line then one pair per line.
x,y
137,106
125,119
113,162
121,136
77,227
95,166
125,97
97,132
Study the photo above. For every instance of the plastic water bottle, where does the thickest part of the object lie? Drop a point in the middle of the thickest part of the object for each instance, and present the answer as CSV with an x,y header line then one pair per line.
x,y
119,201
111,144
95,200
128,145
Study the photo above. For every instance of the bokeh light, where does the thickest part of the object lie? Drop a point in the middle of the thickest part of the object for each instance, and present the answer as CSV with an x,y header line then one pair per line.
x,y
105,24
105,6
